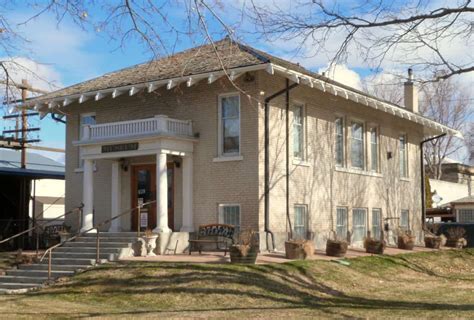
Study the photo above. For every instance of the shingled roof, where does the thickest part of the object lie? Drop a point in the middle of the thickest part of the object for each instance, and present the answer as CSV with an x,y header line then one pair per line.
x,y
209,61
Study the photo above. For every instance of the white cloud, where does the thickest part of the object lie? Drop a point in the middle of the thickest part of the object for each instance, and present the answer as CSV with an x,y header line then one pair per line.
x,y
341,73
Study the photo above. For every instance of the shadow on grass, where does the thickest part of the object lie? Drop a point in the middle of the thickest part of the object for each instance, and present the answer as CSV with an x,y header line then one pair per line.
x,y
273,286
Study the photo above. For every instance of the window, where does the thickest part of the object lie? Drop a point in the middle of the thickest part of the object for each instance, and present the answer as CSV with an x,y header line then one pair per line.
x,y
357,145
404,220
403,157
376,223
341,222
229,126
339,149
230,214
301,222
374,150
87,119
465,215
298,132
359,223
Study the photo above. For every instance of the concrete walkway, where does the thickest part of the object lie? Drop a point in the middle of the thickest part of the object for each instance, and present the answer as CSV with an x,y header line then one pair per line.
x,y
263,257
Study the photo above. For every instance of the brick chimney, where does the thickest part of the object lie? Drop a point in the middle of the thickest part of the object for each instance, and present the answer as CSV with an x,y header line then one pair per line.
x,y
411,93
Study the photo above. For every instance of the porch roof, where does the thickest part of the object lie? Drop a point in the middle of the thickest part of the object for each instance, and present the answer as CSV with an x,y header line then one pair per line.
x,y
223,58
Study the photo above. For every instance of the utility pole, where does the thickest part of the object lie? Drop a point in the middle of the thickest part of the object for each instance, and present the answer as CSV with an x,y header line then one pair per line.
x,y
24,123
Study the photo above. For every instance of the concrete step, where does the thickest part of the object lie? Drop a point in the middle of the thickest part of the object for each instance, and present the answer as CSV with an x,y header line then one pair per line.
x,y
90,249
39,273
78,261
102,244
16,286
44,266
113,234
22,279
107,239
84,255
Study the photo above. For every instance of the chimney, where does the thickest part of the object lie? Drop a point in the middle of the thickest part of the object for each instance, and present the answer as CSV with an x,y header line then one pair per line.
x,y
411,93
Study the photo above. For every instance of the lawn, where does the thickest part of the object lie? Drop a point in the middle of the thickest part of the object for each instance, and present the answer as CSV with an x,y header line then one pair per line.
x,y
422,285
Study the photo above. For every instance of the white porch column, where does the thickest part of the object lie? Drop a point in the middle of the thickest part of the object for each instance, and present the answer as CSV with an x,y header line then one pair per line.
x,y
161,194
88,195
116,188
188,222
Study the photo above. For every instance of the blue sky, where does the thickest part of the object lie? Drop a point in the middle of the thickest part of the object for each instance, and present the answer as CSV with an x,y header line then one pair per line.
x,y
67,54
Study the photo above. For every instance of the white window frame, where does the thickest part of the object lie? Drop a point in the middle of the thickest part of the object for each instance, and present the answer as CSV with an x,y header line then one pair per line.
x,y
81,131
221,207
371,130
407,226
376,230
221,128
359,241
305,225
343,146
364,162
467,211
303,130
346,226
403,173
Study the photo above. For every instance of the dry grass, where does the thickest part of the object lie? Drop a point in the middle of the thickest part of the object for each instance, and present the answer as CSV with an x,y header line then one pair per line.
x,y
422,285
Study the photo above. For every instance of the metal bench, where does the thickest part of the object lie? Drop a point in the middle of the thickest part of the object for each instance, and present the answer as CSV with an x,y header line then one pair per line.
x,y
216,231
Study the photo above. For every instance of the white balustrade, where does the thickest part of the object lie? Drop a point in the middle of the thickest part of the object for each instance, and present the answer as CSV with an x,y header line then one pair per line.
x,y
151,126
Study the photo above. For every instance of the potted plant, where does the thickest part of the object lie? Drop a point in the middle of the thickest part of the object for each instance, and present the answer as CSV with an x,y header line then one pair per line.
x,y
150,242
299,249
336,246
246,248
64,233
374,246
405,240
431,239
456,238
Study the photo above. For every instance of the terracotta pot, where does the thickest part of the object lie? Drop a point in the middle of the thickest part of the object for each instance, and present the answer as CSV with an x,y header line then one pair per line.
x,y
432,242
375,247
336,248
455,243
406,242
299,250
238,255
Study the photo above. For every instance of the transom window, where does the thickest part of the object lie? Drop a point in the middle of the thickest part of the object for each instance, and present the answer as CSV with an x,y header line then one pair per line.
x,y
301,222
374,150
339,147
230,214
359,224
403,157
229,125
341,222
465,215
357,145
376,223
298,132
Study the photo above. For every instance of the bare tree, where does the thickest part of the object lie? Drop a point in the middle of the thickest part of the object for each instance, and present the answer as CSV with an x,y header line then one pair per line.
x,y
449,103
412,33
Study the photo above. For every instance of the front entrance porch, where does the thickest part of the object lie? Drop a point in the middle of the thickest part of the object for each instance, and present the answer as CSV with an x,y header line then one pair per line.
x,y
150,160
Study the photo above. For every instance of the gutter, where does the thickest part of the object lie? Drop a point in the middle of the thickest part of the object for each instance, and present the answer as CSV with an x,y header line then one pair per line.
x,y
267,158
423,191
55,118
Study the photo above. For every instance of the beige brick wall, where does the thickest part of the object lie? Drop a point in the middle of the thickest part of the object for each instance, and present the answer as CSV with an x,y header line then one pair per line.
x,y
214,182
315,184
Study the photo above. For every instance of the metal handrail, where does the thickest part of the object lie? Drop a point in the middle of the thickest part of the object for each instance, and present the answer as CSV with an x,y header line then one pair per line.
x,y
96,227
42,225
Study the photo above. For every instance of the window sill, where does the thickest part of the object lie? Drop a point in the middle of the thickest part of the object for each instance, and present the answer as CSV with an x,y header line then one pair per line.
x,y
299,162
405,179
360,172
228,158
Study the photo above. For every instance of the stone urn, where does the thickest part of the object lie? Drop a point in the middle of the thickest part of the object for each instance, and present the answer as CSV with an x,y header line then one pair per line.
x,y
150,243
64,235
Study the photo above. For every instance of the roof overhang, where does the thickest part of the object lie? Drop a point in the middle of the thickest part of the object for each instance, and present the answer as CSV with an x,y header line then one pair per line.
x,y
45,106
32,174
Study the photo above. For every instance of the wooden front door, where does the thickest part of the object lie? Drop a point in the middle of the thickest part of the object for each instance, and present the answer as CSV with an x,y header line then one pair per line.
x,y
144,190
